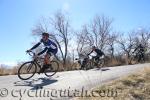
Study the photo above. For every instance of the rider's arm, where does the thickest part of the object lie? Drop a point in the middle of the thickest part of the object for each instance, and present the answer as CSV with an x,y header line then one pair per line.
x,y
42,51
136,49
35,46
90,52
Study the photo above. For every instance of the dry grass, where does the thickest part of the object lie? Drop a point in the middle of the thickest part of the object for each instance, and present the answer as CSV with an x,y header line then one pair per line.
x,y
133,87
8,71
3,71
113,62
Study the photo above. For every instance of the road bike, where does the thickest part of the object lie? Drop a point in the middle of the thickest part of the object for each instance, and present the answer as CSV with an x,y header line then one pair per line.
x,y
28,69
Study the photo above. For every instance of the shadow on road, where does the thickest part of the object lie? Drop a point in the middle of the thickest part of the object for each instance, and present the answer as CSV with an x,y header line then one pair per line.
x,y
35,83
96,69
105,69
102,69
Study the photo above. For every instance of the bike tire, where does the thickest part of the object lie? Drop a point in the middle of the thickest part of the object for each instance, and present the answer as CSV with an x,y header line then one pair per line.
x,y
27,66
89,65
101,63
53,69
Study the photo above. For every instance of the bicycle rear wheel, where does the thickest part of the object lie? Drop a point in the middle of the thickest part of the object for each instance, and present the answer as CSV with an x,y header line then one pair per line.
x,y
53,69
27,70
101,63
89,65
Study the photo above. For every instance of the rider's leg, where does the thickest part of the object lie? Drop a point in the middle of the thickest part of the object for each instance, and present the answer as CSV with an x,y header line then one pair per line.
x,y
143,57
139,58
46,62
93,61
83,63
97,58
47,59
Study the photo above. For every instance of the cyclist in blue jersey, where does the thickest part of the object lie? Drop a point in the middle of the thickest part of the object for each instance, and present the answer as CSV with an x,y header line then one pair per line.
x,y
50,48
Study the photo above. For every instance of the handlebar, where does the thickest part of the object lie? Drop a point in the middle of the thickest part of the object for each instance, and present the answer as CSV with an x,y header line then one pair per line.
x,y
31,53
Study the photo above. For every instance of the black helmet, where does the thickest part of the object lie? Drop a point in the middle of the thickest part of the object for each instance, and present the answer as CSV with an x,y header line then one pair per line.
x,y
93,47
140,45
45,34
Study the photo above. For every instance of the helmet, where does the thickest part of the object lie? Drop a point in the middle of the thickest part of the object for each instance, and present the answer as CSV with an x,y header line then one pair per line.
x,y
45,34
93,47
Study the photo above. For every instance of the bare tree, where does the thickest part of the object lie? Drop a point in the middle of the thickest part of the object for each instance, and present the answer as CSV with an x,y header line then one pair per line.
x,y
84,40
62,28
111,42
42,26
96,33
126,45
142,37
100,30
59,24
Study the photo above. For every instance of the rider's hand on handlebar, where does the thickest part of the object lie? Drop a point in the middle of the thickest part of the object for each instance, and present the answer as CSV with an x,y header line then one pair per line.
x,y
28,51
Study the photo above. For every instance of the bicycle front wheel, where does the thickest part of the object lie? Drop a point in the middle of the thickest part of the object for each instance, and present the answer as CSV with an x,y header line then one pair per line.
x,y
53,69
27,70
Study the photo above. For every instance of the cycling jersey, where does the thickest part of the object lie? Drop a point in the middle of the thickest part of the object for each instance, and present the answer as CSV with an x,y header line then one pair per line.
x,y
50,47
49,44
98,52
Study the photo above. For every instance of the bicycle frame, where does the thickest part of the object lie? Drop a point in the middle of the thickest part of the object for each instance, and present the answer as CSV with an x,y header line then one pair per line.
x,y
35,60
37,64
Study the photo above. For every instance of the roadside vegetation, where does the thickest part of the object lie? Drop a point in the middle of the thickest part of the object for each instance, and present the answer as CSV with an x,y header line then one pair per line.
x,y
132,87
4,70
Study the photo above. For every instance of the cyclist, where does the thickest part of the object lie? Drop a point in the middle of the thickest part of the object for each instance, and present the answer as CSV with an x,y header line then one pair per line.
x,y
140,51
50,48
98,52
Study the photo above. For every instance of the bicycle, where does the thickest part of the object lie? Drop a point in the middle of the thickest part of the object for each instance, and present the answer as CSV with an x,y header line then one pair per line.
x,y
28,69
96,62
88,63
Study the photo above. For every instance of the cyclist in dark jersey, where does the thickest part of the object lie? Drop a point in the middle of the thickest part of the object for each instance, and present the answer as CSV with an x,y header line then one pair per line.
x,y
99,53
140,50
50,48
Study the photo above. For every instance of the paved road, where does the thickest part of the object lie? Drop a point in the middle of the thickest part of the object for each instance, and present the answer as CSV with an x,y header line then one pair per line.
x,y
64,85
